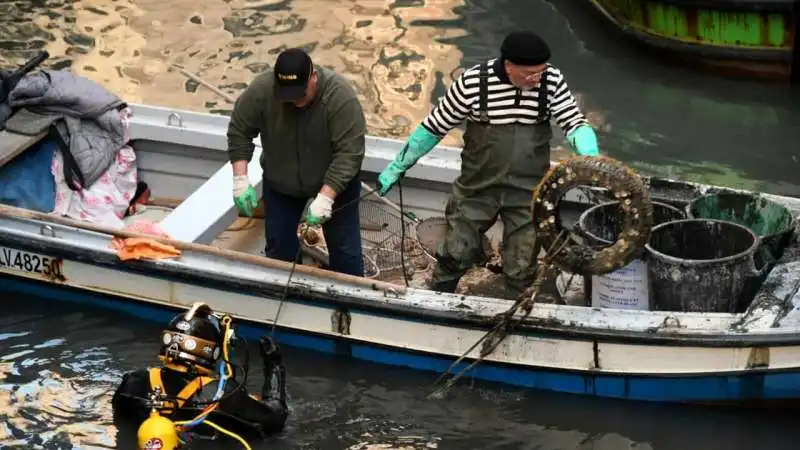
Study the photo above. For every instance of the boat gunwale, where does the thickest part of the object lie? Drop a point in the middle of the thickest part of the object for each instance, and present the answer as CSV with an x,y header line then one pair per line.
x,y
350,340
464,318
377,285
440,166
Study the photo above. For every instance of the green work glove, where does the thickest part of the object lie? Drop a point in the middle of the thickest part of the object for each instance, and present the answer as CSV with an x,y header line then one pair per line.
x,y
244,195
418,145
584,141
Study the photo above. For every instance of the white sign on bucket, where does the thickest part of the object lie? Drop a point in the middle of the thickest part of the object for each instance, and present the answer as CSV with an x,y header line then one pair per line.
x,y
626,288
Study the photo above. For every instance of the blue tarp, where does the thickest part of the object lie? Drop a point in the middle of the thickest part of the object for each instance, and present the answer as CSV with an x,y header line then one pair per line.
x,y
26,181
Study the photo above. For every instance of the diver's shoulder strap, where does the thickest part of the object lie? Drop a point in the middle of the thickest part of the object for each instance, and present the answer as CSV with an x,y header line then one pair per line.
x,y
192,388
155,379
186,393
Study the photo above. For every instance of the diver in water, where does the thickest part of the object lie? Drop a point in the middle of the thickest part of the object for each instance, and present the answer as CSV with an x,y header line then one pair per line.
x,y
196,386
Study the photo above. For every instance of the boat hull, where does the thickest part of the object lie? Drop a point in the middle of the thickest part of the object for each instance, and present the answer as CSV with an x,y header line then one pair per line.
x,y
660,356
426,343
751,38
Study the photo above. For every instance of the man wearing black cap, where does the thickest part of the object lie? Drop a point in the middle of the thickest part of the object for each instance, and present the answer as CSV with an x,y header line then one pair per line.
x,y
312,131
507,103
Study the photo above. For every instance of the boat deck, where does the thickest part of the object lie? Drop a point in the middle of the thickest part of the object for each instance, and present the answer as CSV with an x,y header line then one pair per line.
x,y
246,234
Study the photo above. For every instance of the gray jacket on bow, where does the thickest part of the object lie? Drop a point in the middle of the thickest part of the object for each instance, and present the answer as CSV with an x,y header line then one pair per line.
x,y
84,113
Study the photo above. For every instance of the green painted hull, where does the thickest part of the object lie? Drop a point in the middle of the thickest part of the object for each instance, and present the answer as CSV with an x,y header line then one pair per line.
x,y
750,37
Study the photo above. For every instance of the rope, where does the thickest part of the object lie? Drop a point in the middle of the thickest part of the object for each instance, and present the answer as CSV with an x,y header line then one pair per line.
x,y
504,325
403,214
402,220
595,171
249,223
228,433
285,292
288,284
223,431
402,232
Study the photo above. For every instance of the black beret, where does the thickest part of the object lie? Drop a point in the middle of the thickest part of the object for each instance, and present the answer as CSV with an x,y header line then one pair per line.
x,y
525,48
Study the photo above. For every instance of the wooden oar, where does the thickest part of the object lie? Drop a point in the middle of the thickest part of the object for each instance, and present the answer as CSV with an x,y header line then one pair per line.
x,y
12,211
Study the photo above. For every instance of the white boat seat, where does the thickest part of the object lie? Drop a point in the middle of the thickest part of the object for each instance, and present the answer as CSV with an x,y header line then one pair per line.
x,y
14,144
210,209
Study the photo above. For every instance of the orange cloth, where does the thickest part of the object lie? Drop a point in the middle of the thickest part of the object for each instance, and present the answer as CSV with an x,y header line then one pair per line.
x,y
144,248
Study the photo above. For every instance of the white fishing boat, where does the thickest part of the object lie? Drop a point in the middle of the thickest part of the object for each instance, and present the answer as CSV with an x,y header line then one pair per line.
x,y
638,354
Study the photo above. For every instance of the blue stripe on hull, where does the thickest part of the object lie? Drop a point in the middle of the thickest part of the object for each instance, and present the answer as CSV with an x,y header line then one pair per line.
x,y
723,388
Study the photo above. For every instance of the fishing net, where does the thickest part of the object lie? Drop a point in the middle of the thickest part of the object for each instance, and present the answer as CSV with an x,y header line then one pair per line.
x,y
388,238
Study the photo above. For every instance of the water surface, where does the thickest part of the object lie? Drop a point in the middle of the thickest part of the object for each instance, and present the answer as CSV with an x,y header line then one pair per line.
x,y
60,363
400,55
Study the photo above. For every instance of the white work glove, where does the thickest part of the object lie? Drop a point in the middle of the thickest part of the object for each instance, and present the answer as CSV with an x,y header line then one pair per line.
x,y
240,183
319,210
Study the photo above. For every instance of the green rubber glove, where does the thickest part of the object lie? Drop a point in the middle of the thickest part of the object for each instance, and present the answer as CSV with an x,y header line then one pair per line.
x,y
584,140
419,144
244,195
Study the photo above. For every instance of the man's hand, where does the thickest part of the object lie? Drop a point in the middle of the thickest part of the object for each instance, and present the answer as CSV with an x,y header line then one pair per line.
x,y
244,195
319,210
389,177
584,141
419,144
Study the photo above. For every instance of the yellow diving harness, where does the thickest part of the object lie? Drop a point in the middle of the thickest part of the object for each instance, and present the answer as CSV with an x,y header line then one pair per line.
x,y
160,433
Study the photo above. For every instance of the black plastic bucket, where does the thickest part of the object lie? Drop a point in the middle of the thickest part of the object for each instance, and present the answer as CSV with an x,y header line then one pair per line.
x,y
700,265
600,226
770,220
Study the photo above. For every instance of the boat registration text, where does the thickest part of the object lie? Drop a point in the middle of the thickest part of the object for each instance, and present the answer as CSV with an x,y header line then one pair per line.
x,y
23,261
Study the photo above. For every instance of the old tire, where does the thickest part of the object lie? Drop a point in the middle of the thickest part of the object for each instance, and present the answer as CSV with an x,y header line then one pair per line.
x,y
626,186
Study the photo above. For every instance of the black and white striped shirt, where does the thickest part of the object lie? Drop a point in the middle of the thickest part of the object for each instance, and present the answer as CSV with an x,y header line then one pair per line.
x,y
461,102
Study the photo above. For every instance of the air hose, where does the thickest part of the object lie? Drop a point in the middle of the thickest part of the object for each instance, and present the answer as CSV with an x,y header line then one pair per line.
x,y
627,187
225,372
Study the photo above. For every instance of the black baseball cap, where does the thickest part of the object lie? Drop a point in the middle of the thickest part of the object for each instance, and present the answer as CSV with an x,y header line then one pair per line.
x,y
292,72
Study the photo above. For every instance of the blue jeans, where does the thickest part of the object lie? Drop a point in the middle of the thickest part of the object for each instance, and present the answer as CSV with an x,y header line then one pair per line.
x,y
342,231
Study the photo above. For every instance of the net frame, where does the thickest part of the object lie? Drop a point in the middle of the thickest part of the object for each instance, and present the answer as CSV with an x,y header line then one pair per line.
x,y
382,231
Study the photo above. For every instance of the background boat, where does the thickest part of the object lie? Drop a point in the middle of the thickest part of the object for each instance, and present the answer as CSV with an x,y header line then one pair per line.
x,y
754,38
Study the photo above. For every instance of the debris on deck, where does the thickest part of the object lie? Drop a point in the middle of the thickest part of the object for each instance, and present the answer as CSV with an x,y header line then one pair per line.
x,y
246,234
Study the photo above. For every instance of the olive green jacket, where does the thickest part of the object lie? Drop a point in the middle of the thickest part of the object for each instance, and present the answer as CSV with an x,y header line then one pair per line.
x,y
303,148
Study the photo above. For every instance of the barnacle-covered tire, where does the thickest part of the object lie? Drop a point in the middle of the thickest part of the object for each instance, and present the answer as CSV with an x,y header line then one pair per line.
x,y
627,187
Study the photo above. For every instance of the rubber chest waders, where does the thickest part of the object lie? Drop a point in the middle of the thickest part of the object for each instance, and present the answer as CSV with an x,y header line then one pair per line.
x,y
501,165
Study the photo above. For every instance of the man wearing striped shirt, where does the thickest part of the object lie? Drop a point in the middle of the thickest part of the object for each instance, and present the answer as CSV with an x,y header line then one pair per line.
x,y
507,103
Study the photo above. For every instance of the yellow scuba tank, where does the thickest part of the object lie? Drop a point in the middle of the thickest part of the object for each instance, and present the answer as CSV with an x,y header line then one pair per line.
x,y
157,433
